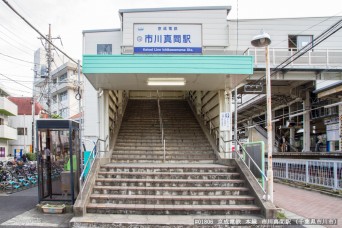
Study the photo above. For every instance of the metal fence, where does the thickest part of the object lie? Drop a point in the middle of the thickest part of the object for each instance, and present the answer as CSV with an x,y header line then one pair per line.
x,y
316,172
317,57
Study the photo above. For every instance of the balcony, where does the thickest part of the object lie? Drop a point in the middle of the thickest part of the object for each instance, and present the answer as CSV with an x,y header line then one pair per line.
x,y
7,107
8,133
316,59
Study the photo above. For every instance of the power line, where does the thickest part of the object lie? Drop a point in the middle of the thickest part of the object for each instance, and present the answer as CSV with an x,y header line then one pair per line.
x,y
16,47
319,39
49,41
18,82
17,58
17,37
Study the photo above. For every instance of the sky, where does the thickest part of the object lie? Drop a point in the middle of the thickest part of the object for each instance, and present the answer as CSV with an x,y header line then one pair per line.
x,y
68,18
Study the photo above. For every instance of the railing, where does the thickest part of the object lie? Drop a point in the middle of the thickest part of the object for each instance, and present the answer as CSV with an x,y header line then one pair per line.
x,y
314,172
220,144
246,158
161,125
90,162
315,58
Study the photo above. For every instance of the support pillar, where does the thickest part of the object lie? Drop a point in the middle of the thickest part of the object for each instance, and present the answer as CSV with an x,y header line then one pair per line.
x,y
104,119
120,100
274,133
292,131
198,102
306,123
340,126
226,135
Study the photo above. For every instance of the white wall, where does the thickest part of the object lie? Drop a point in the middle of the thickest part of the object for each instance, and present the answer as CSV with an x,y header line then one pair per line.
x,y
279,29
214,24
21,121
91,121
92,38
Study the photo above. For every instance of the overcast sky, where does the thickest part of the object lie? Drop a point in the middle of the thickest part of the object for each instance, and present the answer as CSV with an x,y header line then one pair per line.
x,y
69,17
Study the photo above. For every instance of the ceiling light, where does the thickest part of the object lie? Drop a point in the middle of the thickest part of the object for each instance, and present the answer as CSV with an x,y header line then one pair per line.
x,y
166,82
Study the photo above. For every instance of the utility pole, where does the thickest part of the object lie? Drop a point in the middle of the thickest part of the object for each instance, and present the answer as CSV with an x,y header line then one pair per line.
x,y
49,60
48,48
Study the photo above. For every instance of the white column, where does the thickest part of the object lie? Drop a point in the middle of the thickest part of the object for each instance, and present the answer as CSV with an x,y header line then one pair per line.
x,y
306,123
340,126
292,131
104,119
273,132
120,100
224,102
198,102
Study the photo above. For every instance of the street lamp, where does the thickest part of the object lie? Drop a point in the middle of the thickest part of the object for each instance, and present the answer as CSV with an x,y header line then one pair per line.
x,y
263,40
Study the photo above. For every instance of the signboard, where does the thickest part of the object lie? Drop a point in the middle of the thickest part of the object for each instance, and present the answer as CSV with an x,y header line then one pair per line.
x,y
333,132
167,38
224,121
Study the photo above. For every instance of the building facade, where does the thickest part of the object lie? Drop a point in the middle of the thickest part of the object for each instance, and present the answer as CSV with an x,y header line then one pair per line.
x,y
59,94
23,123
175,45
7,131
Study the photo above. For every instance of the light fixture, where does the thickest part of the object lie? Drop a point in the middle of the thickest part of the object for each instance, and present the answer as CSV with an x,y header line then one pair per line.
x,y
261,40
332,105
300,130
166,82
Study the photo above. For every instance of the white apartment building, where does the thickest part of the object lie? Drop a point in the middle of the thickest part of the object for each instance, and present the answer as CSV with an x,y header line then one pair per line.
x,y
62,90
23,124
7,131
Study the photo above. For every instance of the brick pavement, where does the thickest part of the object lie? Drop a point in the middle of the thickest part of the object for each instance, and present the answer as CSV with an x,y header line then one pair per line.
x,y
308,204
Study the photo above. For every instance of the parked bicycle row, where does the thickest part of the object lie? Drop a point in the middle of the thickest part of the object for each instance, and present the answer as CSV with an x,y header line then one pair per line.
x,y
17,175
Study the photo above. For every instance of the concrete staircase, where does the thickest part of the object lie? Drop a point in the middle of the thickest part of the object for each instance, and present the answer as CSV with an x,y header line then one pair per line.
x,y
138,184
139,138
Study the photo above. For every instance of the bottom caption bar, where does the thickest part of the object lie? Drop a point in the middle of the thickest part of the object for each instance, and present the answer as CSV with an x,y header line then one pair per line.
x,y
223,221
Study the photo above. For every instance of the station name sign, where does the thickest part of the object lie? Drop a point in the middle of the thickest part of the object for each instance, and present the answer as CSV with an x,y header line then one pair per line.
x,y
167,38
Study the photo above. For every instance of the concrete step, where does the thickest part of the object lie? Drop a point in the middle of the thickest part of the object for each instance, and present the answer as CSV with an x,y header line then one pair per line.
x,y
159,161
156,221
168,182
137,143
157,147
161,157
166,175
175,141
170,168
170,191
161,152
108,208
172,200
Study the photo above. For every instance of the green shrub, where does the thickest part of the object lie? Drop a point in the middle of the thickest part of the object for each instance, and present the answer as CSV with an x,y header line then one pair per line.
x,y
31,156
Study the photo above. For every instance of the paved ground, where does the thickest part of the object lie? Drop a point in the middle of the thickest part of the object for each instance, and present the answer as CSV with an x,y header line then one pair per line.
x,y
308,204
17,203
17,210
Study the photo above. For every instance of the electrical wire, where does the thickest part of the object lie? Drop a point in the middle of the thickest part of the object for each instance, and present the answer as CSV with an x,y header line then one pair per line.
x,y
17,58
34,28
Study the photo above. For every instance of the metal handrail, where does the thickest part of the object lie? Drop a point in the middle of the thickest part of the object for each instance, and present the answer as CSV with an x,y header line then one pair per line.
x,y
250,159
161,126
93,155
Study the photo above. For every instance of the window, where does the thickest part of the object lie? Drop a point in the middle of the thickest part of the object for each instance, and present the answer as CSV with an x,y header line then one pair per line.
x,y
104,49
63,96
54,99
22,131
64,112
2,121
2,152
63,77
298,42
54,81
